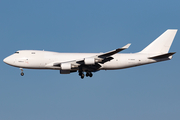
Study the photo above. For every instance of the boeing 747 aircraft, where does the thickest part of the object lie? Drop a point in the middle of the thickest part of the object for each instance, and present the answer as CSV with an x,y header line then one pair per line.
x,y
92,62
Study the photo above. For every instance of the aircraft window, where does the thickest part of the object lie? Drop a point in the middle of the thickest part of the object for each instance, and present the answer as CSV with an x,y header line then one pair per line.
x,y
17,52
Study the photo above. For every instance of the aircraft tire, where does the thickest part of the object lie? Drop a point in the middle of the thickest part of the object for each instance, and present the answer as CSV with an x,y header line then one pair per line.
x,y
82,76
87,74
90,75
22,74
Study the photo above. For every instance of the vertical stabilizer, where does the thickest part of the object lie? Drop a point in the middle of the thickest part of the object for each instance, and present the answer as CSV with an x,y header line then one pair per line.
x,y
162,44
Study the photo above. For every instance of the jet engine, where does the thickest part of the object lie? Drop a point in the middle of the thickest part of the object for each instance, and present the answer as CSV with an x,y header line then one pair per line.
x,y
65,66
92,61
89,61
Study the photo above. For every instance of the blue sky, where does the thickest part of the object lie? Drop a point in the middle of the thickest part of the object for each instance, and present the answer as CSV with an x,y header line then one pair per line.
x,y
145,92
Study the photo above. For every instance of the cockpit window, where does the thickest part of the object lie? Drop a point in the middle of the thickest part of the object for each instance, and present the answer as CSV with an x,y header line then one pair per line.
x,y
17,52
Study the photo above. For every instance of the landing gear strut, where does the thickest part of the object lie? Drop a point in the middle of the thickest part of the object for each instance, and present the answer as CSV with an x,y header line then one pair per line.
x,y
22,74
81,74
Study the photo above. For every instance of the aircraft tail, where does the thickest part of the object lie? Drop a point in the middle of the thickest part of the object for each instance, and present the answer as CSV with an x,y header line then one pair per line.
x,y
162,44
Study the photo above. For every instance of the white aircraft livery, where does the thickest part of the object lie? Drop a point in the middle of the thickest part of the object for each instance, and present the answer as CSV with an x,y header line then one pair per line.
x,y
67,63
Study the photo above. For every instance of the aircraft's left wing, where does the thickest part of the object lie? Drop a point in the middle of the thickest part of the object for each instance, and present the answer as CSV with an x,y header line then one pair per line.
x,y
101,58
108,54
91,62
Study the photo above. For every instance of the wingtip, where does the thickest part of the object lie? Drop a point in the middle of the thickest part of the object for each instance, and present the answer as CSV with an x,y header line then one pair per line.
x,y
127,46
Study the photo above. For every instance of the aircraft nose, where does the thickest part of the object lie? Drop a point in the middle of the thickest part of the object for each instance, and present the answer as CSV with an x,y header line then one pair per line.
x,y
7,60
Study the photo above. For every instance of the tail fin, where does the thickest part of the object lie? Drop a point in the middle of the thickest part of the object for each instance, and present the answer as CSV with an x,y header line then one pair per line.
x,y
162,44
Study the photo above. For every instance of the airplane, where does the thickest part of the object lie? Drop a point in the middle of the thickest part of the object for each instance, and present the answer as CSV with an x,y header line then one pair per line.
x,y
67,63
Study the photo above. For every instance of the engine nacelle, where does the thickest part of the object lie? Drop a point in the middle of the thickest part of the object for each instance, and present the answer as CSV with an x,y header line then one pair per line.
x,y
65,66
67,71
89,61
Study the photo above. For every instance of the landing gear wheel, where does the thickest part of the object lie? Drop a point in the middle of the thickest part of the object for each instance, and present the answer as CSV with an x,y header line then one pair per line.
x,y
82,76
89,74
22,74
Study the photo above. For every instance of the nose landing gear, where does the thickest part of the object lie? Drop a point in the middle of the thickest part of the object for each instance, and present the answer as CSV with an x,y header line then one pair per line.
x,y
22,74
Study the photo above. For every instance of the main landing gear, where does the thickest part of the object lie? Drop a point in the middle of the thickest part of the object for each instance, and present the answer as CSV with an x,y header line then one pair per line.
x,y
22,74
88,74
81,74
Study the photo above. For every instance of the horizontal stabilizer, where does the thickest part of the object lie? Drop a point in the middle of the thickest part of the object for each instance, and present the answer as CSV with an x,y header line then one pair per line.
x,y
162,56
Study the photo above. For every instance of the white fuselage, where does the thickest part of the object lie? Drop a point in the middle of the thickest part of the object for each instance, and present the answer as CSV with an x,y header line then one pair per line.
x,y
34,59
67,63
